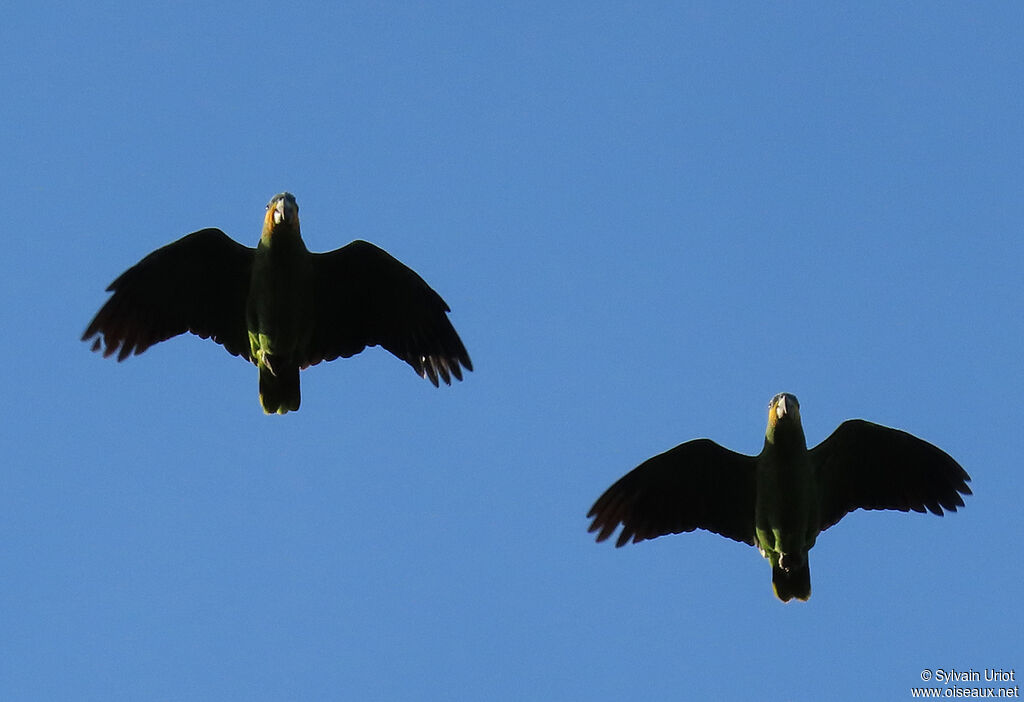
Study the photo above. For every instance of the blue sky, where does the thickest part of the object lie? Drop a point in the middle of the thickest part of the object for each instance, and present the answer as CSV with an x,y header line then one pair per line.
x,y
648,218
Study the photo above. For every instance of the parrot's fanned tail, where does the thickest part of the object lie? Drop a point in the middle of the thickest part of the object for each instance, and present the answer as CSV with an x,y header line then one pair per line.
x,y
279,392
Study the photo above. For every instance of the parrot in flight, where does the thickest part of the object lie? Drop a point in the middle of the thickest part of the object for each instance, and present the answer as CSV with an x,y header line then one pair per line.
x,y
781,499
280,306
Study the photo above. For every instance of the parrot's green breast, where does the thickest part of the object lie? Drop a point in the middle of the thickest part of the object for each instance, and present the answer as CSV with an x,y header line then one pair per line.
x,y
785,515
279,313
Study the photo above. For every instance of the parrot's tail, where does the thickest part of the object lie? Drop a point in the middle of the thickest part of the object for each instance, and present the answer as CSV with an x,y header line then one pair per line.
x,y
279,392
794,582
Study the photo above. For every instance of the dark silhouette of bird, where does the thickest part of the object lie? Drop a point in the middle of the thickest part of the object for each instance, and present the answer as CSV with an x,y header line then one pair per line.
x,y
280,306
781,499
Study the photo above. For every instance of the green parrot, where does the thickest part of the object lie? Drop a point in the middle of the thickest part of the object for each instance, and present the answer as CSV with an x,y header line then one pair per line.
x,y
781,499
280,306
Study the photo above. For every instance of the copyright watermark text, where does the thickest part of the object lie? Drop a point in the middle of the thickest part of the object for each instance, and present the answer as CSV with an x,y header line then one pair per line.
x,y
990,682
